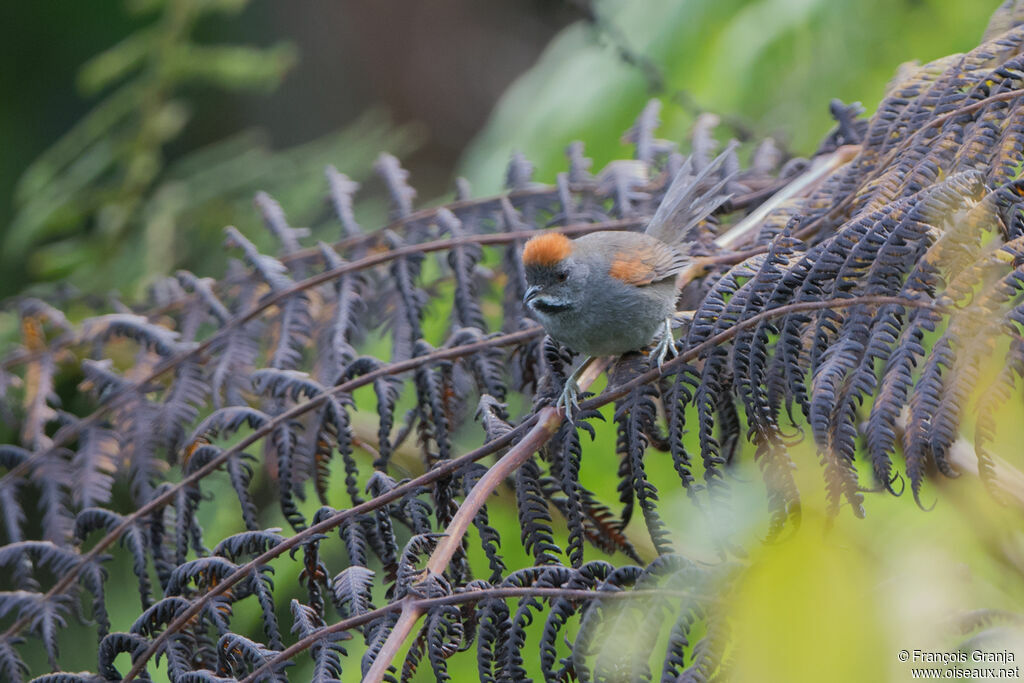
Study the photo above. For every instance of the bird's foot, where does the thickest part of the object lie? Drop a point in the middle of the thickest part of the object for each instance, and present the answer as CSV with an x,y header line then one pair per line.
x,y
666,344
570,398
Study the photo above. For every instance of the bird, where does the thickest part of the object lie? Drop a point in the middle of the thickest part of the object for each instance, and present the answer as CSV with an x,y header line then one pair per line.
x,y
609,292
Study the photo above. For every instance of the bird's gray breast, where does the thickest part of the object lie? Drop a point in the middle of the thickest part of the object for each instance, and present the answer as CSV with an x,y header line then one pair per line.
x,y
616,318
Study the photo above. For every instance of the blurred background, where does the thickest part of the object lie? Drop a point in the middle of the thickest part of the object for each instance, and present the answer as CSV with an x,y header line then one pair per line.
x,y
133,131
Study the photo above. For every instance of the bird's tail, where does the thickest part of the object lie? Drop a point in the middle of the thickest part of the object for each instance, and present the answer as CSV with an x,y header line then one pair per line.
x,y
690,199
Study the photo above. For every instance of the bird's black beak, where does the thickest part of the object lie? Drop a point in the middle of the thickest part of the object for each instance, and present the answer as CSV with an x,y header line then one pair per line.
x,y
531,293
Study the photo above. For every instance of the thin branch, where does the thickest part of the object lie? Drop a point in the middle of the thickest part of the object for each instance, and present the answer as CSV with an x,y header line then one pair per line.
x,y
474,205
820,168
754,197
1007,478
548,421
670,367
467,597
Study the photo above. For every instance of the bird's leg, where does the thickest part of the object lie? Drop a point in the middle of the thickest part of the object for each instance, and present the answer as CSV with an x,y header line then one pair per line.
x,y
666,344
570,399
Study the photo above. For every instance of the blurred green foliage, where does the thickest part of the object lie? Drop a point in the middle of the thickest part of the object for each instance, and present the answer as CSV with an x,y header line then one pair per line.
x,y
104,207
772,64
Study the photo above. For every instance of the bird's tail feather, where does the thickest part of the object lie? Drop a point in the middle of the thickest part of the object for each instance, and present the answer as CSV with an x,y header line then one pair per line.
x,y
686,204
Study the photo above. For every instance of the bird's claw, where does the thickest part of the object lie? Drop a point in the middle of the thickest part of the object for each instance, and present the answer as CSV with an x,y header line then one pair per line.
x,y
569,400
666,344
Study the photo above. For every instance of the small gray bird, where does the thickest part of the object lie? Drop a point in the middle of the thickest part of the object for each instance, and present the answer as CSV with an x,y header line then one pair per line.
x,y
608,293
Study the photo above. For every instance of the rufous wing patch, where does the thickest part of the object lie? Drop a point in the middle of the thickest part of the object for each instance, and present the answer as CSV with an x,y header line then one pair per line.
x,y
630,269
643,265
546,250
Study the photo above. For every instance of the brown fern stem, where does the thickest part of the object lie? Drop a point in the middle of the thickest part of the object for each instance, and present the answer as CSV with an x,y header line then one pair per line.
x,y
377,236
548,421
467,597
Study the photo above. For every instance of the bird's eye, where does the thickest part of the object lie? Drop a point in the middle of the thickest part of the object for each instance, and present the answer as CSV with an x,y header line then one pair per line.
x,y
563,276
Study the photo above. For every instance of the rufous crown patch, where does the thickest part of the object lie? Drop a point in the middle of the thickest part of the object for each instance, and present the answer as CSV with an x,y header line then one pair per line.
x,y
546,250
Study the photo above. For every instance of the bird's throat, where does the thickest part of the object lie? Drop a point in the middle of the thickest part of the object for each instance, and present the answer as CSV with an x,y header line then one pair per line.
x,y
549,306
